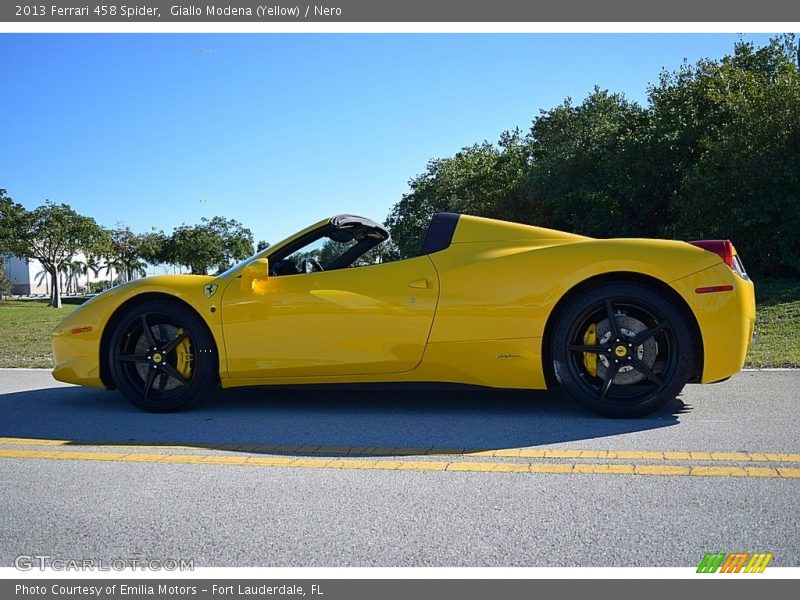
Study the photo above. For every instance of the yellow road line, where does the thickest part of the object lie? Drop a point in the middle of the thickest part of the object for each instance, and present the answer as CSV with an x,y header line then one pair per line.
x,y
369,451
408,465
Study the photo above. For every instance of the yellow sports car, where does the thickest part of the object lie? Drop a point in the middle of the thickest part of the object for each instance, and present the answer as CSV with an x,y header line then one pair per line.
x,y
621,324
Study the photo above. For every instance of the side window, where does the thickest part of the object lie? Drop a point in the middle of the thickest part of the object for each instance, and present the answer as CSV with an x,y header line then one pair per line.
x,y
313,257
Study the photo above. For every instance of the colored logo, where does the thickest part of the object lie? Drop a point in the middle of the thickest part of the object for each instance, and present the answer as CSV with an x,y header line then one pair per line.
x,y
737,562
210,289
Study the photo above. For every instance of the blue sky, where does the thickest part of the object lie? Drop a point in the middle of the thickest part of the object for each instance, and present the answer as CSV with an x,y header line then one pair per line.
x,y
281,130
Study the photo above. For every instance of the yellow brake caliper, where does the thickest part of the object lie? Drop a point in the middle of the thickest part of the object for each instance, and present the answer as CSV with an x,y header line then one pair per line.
x,y
183,357
590,359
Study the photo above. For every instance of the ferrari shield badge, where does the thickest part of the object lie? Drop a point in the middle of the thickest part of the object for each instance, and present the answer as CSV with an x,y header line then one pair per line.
x,y
210,289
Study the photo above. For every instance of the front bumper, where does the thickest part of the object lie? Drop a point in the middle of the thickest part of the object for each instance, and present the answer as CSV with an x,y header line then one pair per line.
x,y
77,351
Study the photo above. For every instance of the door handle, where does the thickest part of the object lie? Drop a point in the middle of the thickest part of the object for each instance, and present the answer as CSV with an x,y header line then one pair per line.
x,y
420,284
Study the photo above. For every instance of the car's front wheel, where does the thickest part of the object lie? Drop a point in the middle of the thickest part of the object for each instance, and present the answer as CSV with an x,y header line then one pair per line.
x,y
163,357
622,349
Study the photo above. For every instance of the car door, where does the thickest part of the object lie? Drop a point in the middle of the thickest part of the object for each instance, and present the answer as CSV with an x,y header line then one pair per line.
x,y
352,321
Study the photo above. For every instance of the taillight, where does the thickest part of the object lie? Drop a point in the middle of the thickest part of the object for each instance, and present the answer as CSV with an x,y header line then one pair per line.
x,y
725,250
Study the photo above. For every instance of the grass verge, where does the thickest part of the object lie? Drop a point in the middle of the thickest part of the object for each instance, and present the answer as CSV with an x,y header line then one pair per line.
x,y
26,326
777,324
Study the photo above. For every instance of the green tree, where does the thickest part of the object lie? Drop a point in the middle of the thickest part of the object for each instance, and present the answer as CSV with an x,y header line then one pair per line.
x,y
237,240
64,278
112,266
125,252
583,174
196,247
731,127
154,247
483,179
213,243
42,276
93,266
75,269
11,215
715,153
53,234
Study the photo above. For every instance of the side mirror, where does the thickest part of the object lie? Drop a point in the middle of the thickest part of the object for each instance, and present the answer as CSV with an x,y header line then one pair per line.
x,y
255,274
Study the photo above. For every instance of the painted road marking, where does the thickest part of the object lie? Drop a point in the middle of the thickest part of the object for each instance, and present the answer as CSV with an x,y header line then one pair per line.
x,y
407,465
367,451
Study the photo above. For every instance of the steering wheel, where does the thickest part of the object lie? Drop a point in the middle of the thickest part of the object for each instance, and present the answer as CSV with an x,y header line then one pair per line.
x,y
310,265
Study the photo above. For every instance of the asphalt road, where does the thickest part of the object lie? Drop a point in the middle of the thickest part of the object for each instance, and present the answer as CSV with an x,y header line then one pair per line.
x,y
400,477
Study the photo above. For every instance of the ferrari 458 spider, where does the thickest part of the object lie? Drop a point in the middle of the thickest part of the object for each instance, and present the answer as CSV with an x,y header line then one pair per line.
x,y
620,324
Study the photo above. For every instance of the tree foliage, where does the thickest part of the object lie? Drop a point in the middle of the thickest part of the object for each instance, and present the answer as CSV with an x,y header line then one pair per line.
x,y
10,213
124,250
10,218
53,234
483,179
715,153
740,175
583,173
216,242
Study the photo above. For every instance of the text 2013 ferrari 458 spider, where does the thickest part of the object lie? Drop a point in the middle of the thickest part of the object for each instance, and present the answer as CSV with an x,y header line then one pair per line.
x,y
621,324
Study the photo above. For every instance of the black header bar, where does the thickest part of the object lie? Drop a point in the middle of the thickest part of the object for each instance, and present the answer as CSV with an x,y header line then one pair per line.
x,y
468,11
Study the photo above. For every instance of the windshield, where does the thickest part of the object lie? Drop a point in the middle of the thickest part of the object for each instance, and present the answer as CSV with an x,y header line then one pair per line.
x,y
230,270
350,243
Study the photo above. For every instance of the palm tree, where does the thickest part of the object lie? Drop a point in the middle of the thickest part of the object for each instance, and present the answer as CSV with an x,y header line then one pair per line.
x,y
93,265
76,269
69,276
63,271
41,276
112,265
136,268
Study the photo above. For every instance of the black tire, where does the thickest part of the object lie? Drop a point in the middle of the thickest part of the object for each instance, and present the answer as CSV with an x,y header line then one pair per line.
x,y
649,365
172,368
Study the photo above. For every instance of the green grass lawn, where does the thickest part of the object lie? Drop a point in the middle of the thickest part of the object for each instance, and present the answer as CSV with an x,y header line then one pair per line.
x,y
777,324
26,327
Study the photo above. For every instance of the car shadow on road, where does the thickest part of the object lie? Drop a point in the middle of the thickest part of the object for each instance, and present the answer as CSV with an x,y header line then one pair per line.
x,y
396,417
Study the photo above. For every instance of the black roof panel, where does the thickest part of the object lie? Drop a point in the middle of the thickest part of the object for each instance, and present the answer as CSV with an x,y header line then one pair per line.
x,y
346,221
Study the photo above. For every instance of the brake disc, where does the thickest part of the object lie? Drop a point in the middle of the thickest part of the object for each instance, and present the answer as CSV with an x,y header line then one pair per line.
x,y
162,331
647,351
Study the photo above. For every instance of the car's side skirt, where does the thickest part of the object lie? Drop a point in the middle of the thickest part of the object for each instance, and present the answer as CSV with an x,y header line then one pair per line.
x,y
510,363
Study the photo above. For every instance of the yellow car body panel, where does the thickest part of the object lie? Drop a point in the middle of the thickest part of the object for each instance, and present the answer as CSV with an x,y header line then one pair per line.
x,y
521,282
77,352
475,312
371,319
727,319
76,340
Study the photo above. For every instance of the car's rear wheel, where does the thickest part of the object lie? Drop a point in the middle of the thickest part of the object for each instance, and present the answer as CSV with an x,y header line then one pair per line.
x,y
622,349
163,357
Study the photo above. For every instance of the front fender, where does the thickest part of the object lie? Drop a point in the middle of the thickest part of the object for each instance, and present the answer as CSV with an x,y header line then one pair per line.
x,y
77,340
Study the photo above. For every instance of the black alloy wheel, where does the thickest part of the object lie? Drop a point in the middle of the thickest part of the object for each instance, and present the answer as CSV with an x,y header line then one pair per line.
x,y
163,357
622,350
